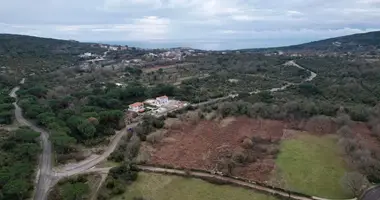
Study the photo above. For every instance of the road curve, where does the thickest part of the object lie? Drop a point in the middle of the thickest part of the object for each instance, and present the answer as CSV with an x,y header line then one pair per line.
x,y
45,162
88,164
284,87
372,193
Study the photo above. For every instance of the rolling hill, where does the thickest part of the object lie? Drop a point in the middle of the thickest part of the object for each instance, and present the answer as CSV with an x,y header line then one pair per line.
x,y
21,55
363,42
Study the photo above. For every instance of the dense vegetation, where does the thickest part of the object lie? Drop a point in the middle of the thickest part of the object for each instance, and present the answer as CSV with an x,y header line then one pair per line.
x,y
363,43
18,161
69,120
6,107
352,84
26,55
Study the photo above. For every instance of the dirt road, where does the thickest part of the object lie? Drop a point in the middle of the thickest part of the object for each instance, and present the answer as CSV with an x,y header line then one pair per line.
x,y
251,185
45,163
222,178
88,164
284,87
46,176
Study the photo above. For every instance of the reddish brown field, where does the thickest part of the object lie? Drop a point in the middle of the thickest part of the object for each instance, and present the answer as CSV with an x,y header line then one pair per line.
x,y
363,134
200,146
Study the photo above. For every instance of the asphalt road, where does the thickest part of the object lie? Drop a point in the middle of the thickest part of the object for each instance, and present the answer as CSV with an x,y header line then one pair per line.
x,y
45,173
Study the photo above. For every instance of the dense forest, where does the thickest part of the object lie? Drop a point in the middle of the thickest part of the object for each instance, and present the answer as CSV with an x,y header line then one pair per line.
x,y
18,160
6,107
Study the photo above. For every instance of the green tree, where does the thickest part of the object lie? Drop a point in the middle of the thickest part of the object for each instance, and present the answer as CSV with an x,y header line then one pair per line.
x,y
15,189
87,129
75,191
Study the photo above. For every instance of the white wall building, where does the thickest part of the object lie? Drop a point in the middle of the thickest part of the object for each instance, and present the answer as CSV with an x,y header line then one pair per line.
x,y
137,107
163,100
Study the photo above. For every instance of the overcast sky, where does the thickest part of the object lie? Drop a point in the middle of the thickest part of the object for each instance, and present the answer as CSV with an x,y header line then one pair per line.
x,y
208,24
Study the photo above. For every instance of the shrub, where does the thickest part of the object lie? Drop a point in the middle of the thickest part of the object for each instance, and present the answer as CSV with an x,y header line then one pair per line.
x,y
155,137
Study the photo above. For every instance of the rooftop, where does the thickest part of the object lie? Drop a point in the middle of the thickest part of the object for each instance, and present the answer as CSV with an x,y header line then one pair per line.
x,y
136,104
162,97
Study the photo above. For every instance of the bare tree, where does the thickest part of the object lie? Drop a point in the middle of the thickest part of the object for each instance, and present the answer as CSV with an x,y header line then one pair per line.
x,y
345,132
354,182
133,147
342,118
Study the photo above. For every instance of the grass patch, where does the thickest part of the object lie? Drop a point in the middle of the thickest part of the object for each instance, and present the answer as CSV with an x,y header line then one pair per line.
x,y
312,165
168,187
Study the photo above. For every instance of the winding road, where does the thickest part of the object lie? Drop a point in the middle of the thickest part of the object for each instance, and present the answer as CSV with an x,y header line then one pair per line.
x,y
47,176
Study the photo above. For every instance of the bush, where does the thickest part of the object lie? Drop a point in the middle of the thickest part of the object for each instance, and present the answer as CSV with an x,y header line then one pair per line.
x,y
155,137
172,115
345,132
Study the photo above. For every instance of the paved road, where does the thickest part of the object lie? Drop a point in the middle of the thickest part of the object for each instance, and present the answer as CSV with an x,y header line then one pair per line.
x,y
45,163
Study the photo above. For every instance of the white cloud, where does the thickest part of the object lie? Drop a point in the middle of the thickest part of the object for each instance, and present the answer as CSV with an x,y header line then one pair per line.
x,y
243,18
190,20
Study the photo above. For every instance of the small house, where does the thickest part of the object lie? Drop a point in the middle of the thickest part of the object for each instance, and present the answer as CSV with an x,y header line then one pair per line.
x,y
137,107
162,100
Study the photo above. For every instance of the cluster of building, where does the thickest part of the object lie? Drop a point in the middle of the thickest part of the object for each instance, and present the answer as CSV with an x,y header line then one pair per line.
x,y
139,106
113,47
158,106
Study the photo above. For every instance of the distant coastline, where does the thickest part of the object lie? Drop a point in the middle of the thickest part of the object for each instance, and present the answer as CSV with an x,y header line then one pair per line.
x,y
208,45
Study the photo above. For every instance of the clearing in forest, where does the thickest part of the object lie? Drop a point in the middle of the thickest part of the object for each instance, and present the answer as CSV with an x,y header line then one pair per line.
x,y
312,165
168,187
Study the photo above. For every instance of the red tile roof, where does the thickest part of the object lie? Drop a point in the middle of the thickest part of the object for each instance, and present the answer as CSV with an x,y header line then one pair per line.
x,y
162,97
137,104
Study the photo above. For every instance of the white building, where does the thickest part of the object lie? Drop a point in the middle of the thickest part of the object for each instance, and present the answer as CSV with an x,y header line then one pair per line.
x,y
163,100
137,107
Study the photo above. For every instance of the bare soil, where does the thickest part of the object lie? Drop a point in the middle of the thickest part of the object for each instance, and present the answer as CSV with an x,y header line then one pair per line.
x,y
203,145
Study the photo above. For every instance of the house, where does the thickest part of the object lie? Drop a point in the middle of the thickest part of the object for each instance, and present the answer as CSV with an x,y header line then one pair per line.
x,y
162,100
137,107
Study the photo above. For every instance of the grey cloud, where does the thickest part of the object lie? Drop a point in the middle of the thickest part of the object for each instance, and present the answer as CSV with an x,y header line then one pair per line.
x,y
190,20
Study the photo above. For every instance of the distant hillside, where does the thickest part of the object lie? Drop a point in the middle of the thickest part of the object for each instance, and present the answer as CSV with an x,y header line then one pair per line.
x,y
363,42
21,54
